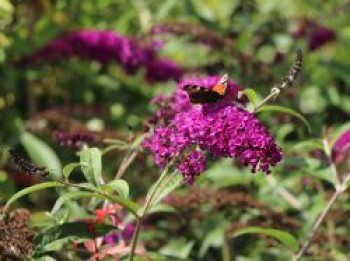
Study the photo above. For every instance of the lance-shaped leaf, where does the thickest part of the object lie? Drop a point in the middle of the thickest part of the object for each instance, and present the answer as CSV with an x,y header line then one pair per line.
x,y
91,165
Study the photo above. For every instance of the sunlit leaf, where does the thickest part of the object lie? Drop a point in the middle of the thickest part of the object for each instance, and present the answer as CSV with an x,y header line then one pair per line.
x,y
282,236
252,96
67,170
288,111
69,196
162,208
169,187
120,186
213,238
180,248
40,219
91,165
311,144
74,230
32,189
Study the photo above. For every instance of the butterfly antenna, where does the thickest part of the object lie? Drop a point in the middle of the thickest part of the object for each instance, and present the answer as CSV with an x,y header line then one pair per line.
x,y
224,79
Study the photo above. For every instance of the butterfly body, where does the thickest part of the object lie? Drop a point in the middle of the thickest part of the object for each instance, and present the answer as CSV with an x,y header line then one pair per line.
x,y
201,95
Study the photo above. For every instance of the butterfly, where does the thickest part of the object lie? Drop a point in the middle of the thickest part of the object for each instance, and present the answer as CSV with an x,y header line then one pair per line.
x,y
201,95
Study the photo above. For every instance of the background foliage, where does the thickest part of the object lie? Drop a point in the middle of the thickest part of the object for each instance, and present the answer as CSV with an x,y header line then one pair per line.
x,y
258,49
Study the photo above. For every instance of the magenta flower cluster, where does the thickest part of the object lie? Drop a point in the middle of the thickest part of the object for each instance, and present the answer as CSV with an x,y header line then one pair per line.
x,y
220,130
169,106
105,47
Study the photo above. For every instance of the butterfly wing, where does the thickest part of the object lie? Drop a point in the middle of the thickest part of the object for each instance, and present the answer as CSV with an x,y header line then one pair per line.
x,y
199,94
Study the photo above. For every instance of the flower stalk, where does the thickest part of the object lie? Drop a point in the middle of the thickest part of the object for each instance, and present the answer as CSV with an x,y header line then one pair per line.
x,y
317,224
158,187
340,187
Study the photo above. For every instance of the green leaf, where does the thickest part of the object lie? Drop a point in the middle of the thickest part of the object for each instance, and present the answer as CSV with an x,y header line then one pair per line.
x,y
213,238
69,196
119,185
283,131
45,258
180,248
322,174
170,187
91,165
74,230
223,174
288,111
311,144
40,219
42,154
67,170
162,208
126,203
252,96
284,237
32,189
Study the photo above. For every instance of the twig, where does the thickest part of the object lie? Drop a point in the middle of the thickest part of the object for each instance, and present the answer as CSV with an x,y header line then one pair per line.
x,y
128,159
285,193
339,190
144,210
157,189
317,224
273,95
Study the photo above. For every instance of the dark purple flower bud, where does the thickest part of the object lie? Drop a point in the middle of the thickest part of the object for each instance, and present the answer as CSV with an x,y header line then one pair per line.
x,y
341,148
111,239
163,70
73,141
320,36
128,231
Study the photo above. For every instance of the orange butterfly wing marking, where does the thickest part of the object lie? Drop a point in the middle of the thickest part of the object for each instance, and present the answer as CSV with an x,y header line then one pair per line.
x,y
220,88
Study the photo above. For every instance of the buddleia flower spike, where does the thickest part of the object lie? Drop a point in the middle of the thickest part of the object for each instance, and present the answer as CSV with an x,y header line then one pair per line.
x,y
28,167
287,80
293,72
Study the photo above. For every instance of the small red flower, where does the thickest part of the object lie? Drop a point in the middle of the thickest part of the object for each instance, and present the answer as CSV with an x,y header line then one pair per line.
x,y
109,211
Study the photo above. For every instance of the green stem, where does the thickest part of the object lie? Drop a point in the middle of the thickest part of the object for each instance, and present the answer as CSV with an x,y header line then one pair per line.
x,y
129,158
144,213
273,94
317,224
339,190
135,238
163,186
